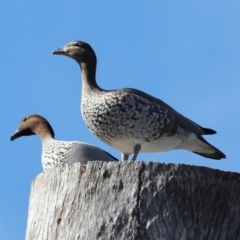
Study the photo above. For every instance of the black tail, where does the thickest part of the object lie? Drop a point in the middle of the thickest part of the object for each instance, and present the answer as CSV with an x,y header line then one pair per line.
x,y
208,131
111,156
217,155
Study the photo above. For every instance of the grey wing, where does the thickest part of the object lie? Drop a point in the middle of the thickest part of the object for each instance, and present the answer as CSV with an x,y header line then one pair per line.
x,y
179,118
82,152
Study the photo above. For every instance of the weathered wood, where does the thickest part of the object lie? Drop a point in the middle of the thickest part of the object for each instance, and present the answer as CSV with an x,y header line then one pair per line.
x,y
134,200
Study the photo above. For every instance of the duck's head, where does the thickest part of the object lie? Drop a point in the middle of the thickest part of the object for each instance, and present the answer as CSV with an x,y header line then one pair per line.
x,y
78,50
33,124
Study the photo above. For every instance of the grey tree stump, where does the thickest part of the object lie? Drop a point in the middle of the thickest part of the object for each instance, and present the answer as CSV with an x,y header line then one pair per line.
x,y
134,200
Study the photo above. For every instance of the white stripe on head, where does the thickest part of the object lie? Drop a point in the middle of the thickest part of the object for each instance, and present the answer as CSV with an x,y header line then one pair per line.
x,y
16,131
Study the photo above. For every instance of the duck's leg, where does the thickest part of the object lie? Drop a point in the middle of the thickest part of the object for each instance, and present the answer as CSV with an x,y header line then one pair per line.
x,y
125,156
136,150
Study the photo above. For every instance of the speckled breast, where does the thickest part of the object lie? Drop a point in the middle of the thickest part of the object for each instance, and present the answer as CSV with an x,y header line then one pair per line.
x,y
115,115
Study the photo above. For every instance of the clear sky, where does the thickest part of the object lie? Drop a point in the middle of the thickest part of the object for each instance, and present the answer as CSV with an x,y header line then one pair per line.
x,y
185,53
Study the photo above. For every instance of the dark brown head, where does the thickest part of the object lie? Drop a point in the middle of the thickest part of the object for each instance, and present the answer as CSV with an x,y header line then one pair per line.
x,y
34,124
80,51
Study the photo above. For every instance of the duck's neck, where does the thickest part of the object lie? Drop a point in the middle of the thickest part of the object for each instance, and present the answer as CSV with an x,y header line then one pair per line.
x,y
89,76
44,135
47,141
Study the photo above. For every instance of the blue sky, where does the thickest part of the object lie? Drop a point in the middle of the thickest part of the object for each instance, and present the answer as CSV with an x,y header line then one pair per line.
x,y
185,53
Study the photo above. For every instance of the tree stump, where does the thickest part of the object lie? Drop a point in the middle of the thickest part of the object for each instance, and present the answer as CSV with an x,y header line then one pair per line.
x,y
134,200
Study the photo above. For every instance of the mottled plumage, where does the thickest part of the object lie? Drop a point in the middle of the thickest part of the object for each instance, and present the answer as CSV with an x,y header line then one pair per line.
x,y
54,152
131,120
127,117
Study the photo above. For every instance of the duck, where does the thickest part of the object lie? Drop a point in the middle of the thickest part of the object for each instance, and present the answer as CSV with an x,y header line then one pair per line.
x,y
55,152
131,120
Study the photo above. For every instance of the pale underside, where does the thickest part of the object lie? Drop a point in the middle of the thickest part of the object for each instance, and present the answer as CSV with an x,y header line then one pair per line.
x,y
159,145
188,142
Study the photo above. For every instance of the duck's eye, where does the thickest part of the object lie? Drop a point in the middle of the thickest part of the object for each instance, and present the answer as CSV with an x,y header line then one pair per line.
x,y
24,119
76,44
